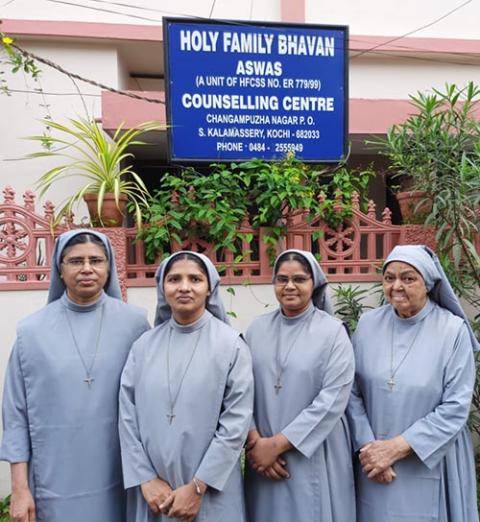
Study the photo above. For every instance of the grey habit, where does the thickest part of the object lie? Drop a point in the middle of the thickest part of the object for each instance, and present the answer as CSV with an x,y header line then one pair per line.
x,y
212,413
428,405
63,428
317,358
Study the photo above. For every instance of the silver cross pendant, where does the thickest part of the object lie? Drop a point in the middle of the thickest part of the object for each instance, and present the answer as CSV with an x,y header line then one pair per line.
x,y
89,381
278,386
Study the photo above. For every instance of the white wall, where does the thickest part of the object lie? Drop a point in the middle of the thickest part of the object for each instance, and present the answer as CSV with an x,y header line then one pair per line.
x,y
13,307
21,112
378,17
89,11
397,78
392,17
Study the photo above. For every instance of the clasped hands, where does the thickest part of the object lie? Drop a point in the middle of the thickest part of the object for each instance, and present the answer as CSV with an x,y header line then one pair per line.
x,y
183,502
264,455
378,457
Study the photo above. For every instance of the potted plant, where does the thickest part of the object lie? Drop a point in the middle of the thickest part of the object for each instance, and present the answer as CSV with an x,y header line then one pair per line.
x,y
431,143
399,147
100,161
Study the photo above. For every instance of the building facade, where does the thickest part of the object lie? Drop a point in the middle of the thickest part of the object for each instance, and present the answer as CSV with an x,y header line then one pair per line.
x,y
395,49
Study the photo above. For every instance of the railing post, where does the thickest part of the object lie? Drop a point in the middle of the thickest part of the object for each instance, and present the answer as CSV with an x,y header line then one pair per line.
x,y
418,235
265,268
118,238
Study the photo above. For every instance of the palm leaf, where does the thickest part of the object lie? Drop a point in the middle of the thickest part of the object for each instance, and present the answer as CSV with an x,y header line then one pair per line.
x,y
90,154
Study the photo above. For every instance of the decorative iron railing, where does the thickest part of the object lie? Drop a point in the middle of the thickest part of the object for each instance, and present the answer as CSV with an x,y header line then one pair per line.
x,y
353,251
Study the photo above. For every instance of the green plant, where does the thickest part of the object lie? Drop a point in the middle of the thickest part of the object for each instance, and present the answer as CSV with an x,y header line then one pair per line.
x,y
15,60
336,205
349,304
455,212
213,206
276,190
97,159
433,141
477,467
4,509
210,207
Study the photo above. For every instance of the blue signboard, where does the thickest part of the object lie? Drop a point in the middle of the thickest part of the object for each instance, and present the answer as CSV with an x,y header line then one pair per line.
x,y
238,90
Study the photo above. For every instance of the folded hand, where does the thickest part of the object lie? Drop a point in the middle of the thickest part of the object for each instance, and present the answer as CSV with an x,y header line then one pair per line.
x,y
155,492
263,452
385,477
377,456
277,470
182,503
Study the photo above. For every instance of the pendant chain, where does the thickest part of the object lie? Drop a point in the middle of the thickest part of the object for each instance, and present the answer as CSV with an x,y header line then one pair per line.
x,y
172,402
391,382
281,365
88,370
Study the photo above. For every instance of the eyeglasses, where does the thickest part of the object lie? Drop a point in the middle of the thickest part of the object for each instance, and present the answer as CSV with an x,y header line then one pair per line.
x,y
80,262
282,280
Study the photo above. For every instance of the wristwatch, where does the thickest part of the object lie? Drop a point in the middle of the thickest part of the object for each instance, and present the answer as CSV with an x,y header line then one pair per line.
x,y
196,485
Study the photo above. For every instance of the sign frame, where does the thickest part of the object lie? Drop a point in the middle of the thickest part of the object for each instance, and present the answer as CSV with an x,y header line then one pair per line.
x,y
190,160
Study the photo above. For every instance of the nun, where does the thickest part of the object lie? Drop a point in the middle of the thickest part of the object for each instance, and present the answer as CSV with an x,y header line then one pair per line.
x,y
411,398
60,401
186,402
299,450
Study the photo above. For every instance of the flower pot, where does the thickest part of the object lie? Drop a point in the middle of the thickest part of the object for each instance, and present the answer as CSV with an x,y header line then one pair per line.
x,y
111,214
413,211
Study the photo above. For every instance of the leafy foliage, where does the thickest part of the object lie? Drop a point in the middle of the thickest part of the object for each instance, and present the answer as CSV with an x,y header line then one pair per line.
x,y
97,159
4,509
16,61
213,206
336,206
350,305
435,139
276,190
455,183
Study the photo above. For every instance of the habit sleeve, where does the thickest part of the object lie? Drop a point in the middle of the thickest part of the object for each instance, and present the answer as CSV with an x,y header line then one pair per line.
x,y
16,437
430,436
253,426
313,424
234,422
137,467
360,428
